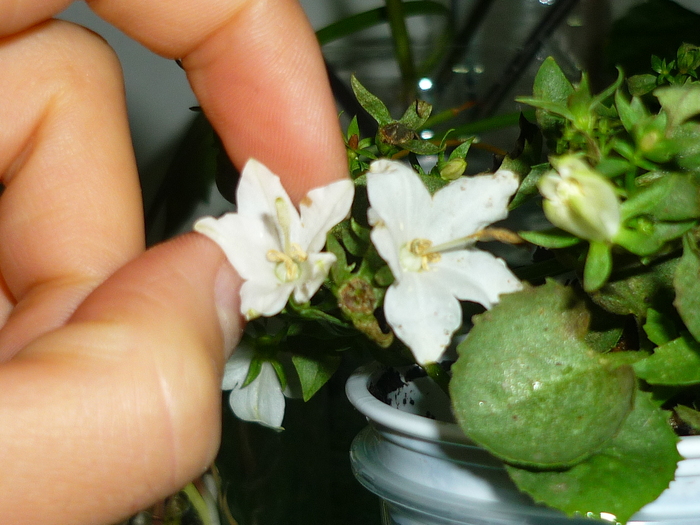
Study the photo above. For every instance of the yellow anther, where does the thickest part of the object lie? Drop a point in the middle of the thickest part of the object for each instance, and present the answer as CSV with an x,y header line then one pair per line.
x,y
285,262
422,248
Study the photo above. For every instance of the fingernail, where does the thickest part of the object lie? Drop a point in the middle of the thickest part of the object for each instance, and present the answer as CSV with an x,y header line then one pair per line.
x,y
227,299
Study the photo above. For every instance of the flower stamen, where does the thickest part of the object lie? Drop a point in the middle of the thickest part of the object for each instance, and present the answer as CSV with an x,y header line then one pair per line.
x,y
288,269
421,248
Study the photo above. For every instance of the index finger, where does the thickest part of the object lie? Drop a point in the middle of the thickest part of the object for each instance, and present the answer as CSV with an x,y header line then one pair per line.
x,y
255,67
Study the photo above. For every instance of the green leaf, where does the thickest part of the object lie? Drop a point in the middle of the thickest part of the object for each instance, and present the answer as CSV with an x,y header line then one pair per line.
x,y
340,271
314,372
361,21
527,387
686,282
629,112
659,328
652,237
371,103
679,102
639,287
528,187
689,416
421,147
552,88
674,363
639,85
671,197
598,266
416,114
632,469
551,239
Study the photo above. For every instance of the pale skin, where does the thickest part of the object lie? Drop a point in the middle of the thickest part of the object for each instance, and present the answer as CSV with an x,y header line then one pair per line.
x,y
111,357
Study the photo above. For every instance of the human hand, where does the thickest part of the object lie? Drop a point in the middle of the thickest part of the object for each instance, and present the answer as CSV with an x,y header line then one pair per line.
x,y
111,358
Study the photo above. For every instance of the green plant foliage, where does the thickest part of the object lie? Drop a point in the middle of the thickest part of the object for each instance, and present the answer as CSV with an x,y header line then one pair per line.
x,y
633,468
528,388
676,363
314,372
687,285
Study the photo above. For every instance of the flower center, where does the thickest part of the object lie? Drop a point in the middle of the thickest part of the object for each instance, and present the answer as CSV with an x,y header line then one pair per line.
x,y
291,256
418,254
288,263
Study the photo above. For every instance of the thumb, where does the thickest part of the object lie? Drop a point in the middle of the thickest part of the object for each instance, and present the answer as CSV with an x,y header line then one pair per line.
x,y
135,376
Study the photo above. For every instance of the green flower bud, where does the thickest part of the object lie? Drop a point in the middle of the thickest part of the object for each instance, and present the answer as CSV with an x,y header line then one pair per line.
x,y
580,201
453,169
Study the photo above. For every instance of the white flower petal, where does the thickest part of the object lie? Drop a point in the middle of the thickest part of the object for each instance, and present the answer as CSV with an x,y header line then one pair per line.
x,y
469,204
245,241
399,198
319,214
261,298
477,276
423,313
387,247
258,189
236,368
315,270
262,400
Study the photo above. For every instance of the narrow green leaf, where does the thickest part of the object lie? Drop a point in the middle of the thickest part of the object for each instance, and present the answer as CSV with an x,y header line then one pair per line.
x,y
421,147
372,17
552,238
598,266
371,103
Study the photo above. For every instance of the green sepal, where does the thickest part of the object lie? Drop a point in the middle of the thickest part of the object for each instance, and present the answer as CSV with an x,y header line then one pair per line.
x,y
314,372
631,470
253,371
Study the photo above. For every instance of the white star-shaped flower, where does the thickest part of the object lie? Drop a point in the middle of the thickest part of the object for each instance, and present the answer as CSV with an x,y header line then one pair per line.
x,y
428,243
274,247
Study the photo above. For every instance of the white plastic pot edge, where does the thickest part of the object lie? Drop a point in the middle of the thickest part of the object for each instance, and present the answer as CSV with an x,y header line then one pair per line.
x,y
357,392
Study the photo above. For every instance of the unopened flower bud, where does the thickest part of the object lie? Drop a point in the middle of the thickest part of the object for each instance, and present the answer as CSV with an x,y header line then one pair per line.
x,y
453,169
580,200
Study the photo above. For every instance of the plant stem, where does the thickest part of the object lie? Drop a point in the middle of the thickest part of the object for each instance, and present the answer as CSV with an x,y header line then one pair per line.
x,y
402,45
